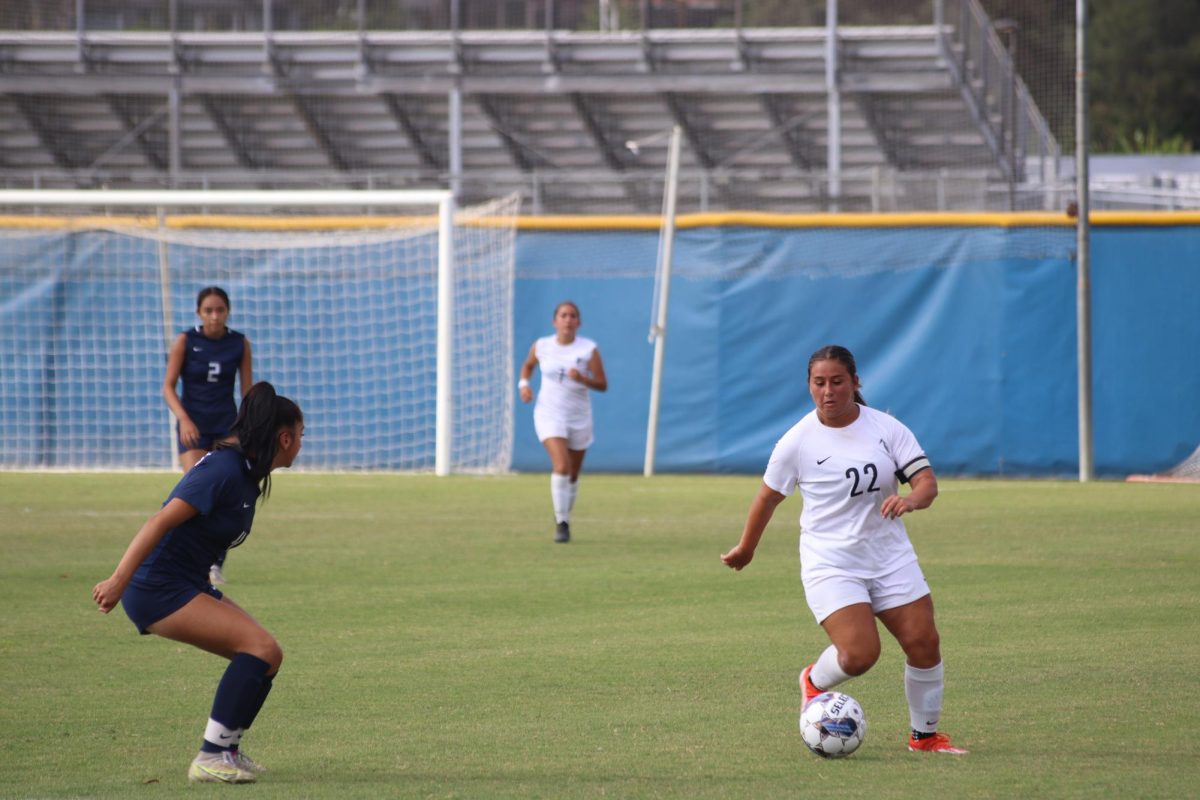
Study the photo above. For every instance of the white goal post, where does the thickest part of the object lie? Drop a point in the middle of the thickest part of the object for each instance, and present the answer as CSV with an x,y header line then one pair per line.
x,y
382,292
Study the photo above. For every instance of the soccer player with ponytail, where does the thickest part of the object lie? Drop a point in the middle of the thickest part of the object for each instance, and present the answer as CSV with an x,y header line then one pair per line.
x,y
856,561
162,580
571,367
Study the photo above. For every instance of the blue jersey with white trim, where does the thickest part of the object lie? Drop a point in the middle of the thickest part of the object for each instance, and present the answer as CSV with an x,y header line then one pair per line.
x,y
210,367
221,490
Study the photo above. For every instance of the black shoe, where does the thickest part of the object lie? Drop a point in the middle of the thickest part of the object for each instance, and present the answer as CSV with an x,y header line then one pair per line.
x,y
562,533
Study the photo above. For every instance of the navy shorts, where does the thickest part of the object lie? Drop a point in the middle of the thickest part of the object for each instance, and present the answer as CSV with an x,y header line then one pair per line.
x,y
147,605
206,442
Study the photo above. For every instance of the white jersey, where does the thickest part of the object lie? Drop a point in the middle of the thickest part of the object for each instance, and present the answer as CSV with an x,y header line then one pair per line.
x,y
844,474
559,395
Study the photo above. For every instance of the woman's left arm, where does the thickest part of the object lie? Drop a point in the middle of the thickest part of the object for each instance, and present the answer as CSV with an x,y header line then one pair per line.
x,y
598,382
246,374
924,490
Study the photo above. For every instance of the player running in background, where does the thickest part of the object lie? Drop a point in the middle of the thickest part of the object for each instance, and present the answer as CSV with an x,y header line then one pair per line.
x,y
856,561
570,366
161,581
207,357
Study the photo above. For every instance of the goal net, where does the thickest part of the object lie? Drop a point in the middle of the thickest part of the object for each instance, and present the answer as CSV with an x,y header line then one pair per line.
x,y
1186,471
386,315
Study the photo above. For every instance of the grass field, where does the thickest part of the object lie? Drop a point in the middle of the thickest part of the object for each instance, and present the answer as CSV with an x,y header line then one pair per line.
x,y
437,644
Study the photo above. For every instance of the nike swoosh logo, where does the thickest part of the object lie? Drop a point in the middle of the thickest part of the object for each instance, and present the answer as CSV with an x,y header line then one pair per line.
x,y
245,505
195,349
823,460
223,736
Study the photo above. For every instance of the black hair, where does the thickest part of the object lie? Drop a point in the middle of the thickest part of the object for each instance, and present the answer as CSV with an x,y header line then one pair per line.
x,y
261,416
835,352
570,303
211,290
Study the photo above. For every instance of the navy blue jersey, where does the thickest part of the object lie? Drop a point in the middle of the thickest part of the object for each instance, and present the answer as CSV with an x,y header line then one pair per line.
x,y
221,490
210,367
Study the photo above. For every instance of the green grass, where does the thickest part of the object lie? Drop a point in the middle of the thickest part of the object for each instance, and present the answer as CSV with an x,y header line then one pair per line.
x,y
438,644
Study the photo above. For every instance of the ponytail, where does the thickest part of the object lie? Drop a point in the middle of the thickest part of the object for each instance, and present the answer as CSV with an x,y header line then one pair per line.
x,y
261,416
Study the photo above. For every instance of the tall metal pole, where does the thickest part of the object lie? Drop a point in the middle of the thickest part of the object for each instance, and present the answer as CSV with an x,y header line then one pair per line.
x,y
1083,284
1008,121
666,255
80,29
268,25
454,109
174,103
833,106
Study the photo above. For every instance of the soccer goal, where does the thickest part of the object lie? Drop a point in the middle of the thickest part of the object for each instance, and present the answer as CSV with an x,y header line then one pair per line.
x,y
1186,471
386,314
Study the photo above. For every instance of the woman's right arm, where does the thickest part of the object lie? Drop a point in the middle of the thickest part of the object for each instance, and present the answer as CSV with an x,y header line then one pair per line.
x,y
108,592
188,432
531,361
761,510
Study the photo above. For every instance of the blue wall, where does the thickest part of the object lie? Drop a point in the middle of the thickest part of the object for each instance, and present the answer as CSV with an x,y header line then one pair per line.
x,y
966,334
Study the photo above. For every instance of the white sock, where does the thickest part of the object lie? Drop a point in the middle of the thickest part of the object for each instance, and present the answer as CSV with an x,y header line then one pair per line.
x,y
923,688
572,492
218,734
827,672
560,495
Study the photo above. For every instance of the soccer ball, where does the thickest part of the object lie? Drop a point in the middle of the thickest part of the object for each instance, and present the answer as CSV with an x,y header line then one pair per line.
x,y
833,725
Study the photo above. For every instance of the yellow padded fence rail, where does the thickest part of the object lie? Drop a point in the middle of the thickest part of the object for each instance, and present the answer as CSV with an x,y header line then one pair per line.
x,y
249,222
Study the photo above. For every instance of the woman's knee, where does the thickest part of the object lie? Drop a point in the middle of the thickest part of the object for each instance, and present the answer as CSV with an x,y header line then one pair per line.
x,y
924,649
274,656
266,647
858,657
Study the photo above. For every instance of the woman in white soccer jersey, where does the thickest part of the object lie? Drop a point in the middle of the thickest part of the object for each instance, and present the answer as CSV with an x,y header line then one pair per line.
x,y
856,561
570,366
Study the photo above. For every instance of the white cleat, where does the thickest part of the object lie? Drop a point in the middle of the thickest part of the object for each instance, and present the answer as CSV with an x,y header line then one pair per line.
x,y
218,768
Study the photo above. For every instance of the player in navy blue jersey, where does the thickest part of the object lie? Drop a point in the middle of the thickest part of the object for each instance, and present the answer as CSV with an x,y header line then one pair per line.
x,y
162,582
207,358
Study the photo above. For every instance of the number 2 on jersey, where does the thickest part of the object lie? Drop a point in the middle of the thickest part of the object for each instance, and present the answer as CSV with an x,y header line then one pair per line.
x,y
214,371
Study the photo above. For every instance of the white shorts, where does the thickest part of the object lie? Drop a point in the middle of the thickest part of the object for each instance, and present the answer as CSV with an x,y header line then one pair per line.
x,y
828,592
578,433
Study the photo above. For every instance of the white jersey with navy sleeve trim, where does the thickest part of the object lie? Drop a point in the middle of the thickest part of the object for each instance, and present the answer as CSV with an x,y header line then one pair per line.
x,y
559,395
844,475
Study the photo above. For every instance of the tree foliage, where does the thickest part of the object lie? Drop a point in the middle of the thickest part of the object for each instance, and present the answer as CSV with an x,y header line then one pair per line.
x,y
1144,60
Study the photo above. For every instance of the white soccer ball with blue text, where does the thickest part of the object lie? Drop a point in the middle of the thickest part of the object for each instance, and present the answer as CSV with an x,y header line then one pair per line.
x,y
833,725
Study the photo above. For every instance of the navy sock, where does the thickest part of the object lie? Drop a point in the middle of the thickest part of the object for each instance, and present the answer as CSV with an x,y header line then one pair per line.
x,y
240,693
253,709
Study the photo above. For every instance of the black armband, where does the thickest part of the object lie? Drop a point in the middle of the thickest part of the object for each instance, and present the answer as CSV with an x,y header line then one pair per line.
x,y
909,471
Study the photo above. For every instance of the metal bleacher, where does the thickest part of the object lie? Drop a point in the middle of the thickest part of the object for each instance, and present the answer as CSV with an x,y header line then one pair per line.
x,y
574,121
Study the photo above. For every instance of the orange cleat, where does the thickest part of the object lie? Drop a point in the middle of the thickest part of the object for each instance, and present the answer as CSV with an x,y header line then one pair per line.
x,y
938,743
807,688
